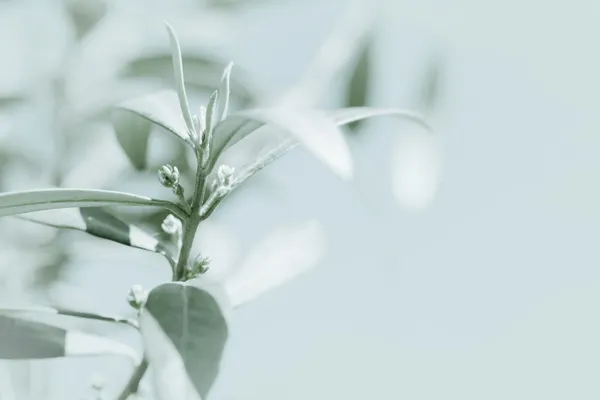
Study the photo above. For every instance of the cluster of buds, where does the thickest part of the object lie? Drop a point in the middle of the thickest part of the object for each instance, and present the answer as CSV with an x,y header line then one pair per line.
x,y
198,267
171,225
137,297
168,176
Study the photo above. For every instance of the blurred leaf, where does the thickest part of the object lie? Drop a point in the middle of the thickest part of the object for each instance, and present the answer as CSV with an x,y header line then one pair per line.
x,y
160,108
311,128
430,89
277,259
180,78
133,134
10,101
99,223
85,14
359,83
416,168
22,339
336,50
49,199
185,331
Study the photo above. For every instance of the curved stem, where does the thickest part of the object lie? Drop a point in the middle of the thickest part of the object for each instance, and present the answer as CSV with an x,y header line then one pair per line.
x,y
133,384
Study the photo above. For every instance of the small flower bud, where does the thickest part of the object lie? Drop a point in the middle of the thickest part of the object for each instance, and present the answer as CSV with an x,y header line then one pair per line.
x,y
171,225
168,176
137,296
225,174
198,267
98,383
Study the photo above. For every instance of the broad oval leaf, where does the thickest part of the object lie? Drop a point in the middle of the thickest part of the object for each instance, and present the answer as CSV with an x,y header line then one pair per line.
x,y
184,327
160,108
311,128
99,223
22,339
13,203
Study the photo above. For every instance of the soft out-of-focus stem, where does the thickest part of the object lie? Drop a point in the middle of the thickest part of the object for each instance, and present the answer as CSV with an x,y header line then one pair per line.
x,y
133,384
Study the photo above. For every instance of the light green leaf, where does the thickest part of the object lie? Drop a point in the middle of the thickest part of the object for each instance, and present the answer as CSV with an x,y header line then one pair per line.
x,y
225,92
99,223
311,128
179,78
13,203
132,130
22,339
185,330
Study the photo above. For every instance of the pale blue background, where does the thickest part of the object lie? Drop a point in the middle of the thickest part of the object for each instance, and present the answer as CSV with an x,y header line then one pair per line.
x,y
490,293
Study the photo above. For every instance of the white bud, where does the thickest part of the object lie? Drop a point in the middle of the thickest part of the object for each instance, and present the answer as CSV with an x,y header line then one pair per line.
x,y
225,174
137,296
171,225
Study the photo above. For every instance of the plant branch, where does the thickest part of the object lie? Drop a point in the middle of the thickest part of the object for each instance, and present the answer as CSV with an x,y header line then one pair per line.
x,y
190,224
134,382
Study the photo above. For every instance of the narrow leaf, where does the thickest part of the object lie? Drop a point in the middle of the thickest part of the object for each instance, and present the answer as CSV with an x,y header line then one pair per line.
x,y
210,110
99,223
13,203
185,331
311,128
179,78
22,339
345,116
225,91
67,312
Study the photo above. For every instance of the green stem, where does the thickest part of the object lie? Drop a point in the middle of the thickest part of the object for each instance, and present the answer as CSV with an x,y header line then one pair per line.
x,y
190,225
